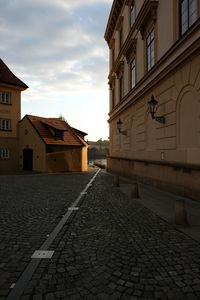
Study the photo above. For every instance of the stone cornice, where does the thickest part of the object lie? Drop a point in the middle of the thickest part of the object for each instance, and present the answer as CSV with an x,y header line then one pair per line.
x,y
119,69
111,82
129,2
147,14
119,23
112,44
113,18
129,49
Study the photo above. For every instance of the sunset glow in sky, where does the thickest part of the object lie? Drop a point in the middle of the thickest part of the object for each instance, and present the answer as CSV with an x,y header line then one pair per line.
x,y
57,48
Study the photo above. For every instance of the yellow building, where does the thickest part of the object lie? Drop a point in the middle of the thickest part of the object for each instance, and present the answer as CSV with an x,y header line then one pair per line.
x,y
51,145
154,83
10,114
35,143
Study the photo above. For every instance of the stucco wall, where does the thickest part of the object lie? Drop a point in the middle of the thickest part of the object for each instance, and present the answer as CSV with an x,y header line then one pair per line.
x,y
12,163
11,111
9,139
28,138
84,159
68,160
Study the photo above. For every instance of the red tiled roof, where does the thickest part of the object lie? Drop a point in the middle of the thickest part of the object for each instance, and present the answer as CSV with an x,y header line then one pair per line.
x,y
70,138
82,133
57,124
6,76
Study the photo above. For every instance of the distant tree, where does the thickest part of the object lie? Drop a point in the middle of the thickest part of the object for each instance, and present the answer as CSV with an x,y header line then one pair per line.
x,y
92,152
106,151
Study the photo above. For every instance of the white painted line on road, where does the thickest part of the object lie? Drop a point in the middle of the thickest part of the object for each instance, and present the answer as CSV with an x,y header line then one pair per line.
x,y
73,208
12,285
18,289
42,254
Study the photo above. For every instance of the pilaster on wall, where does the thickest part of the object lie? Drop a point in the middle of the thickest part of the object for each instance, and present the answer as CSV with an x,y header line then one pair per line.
x,y
178,96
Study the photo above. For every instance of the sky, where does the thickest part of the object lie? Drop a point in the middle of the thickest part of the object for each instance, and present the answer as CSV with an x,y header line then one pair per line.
x,y
57,48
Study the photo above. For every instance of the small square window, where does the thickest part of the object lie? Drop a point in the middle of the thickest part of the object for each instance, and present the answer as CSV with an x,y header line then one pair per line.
x,y
5,153
5,124
5,98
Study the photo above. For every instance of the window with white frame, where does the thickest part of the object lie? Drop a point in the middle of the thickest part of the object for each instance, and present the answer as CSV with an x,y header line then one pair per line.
x,y
5,98
5,153
188,14
132,73
132,13
150,50
5,124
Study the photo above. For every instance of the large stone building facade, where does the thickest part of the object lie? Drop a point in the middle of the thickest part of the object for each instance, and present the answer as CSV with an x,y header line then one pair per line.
x,y
155,55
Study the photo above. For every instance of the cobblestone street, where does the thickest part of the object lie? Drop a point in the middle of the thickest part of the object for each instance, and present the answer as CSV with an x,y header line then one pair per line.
x,y
112,247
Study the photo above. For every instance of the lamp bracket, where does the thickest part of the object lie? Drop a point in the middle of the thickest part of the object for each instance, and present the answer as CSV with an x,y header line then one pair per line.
x,y
160,119
124,132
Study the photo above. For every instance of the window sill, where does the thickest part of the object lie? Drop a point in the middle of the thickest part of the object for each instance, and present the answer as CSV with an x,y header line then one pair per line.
x,y
2,158
5,103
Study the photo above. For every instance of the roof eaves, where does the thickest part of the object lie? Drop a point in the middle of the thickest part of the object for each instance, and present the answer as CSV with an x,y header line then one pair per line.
x,y
76,135
35,129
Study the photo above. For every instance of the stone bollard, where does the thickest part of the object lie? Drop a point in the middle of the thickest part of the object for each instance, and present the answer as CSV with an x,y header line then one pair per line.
x,y
134,190
116,180
180,213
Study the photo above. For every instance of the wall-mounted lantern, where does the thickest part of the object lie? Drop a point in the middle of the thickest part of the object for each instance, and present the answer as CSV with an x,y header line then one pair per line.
x,y
119,127
153,106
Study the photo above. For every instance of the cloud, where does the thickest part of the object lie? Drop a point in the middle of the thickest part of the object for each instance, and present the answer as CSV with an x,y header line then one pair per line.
x,y
80,3
56,47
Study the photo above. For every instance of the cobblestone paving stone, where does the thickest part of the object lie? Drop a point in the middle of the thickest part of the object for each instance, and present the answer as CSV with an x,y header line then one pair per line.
x,y
114,248
30,208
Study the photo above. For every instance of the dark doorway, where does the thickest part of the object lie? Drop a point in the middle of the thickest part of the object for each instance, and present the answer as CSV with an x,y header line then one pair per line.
x,y
28,159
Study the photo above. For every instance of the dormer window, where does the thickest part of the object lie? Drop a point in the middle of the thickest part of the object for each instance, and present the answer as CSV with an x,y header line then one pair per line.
x,y
59,134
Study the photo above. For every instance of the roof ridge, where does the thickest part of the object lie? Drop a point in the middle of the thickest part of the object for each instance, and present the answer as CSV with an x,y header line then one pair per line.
x,y
78,141
76,135
8,77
